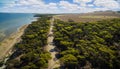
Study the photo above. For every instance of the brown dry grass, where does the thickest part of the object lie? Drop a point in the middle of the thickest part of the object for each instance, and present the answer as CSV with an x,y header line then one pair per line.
x,y
88,17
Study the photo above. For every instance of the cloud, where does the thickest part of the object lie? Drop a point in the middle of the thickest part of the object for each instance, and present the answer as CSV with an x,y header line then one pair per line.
x,y
110,4
52,6
82,1
90,5
29,2
62,6
68,6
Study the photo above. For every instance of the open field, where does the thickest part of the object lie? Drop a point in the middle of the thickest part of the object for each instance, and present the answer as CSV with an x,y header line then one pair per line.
x,y
88,17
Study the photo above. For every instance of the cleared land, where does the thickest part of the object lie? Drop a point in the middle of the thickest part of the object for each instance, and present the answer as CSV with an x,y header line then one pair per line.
x,y
88,17
54,62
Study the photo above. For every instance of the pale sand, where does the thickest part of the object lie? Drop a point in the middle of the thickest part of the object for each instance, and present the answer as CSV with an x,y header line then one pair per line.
x,y
7,44
54,62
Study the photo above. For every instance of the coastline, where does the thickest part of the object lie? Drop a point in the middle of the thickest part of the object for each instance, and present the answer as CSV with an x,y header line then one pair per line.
x,y
7,44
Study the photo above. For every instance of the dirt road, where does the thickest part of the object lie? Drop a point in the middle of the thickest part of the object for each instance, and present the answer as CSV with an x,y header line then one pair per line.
x,y
54,62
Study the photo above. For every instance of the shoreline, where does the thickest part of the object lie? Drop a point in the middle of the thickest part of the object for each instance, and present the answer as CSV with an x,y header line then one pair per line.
x,y
7,44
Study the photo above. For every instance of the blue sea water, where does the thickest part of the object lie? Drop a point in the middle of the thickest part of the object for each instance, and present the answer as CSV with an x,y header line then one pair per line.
x,y
10,22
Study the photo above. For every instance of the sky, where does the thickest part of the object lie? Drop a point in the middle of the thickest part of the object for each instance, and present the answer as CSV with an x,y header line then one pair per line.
x,y
58,6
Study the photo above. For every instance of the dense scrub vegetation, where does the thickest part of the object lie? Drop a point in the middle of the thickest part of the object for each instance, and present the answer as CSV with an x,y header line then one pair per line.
x,y
30,52
88,45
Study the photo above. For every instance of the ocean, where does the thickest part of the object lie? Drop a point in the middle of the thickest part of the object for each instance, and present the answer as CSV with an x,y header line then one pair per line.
x,y
10,22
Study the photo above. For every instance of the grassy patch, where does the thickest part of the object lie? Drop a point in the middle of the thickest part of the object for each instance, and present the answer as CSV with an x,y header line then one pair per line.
x,y
102,17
